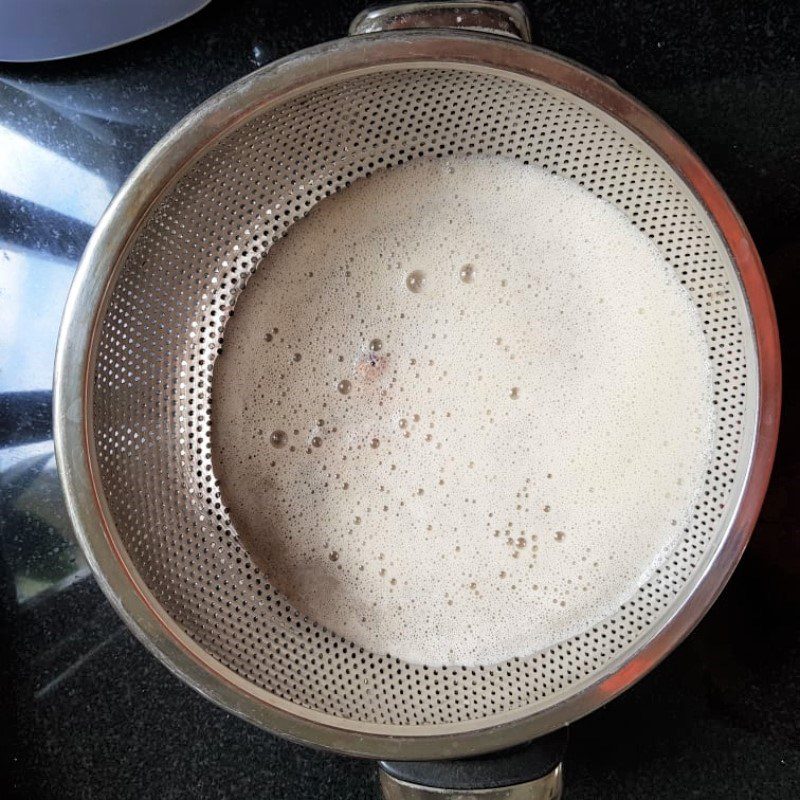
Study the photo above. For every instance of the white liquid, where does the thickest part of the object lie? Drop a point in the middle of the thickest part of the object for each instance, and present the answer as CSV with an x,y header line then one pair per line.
x,y
462,411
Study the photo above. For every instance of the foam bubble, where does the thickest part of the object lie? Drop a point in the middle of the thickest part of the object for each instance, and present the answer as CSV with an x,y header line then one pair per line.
x,y
513,458
415,281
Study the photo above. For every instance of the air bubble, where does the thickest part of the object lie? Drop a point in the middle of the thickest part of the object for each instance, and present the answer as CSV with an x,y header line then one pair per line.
x,y
467,273
277,438
415,281
344,386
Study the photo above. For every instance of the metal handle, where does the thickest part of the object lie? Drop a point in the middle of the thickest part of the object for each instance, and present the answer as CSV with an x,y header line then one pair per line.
x,y
529,771
548,787
486,16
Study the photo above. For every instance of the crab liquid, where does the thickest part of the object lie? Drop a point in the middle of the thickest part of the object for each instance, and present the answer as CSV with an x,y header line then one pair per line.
x,y
462,411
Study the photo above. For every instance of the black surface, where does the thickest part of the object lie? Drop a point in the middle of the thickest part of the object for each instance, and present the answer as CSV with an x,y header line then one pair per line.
x,y
93,715
522,764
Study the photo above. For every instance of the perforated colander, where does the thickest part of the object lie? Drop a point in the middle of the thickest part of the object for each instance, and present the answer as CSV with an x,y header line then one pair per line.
x,y
149,307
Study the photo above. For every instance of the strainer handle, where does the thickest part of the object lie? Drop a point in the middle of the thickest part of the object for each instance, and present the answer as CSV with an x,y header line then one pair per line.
x,y
487,16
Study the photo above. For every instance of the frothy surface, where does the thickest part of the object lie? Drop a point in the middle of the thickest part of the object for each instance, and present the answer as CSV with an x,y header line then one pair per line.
x,y
462,411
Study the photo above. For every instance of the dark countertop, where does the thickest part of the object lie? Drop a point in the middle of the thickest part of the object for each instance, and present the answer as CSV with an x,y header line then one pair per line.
x,y
92,713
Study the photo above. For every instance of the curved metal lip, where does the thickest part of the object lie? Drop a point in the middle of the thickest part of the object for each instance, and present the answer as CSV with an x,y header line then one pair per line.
x,y
95,278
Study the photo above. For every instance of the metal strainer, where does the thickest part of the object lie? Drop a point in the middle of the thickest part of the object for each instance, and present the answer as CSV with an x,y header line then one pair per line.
x,y
158,281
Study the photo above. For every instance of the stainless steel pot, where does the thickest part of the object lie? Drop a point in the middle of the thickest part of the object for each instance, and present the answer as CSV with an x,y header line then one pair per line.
x,y
158,281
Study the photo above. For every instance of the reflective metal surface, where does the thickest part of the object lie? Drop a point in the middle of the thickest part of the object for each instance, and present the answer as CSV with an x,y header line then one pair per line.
x,y
491,16
549,787
745,456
